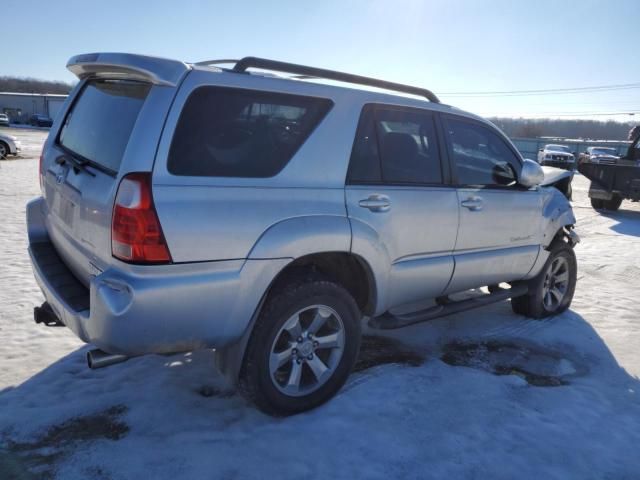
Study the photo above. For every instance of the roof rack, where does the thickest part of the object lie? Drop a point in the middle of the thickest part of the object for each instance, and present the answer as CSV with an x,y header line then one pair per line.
x,y
303,71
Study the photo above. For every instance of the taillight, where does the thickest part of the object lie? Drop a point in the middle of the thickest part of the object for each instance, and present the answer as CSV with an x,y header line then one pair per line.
x,y
136,235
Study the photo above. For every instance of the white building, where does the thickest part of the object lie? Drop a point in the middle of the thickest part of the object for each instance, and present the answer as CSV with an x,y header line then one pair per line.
x,y
20,106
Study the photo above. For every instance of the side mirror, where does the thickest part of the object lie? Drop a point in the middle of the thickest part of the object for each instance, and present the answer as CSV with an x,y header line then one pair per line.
x,y
531,174
541,150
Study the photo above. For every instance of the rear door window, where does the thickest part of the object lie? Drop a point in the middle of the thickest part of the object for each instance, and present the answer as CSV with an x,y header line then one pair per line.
x,y
395,146
101,120
228,132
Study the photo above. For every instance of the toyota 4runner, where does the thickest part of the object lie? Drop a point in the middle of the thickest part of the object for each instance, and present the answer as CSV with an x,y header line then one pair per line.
x,y
189,206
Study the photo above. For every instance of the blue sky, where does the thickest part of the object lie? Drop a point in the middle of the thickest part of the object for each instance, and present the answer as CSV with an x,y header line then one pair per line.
x,y
448,46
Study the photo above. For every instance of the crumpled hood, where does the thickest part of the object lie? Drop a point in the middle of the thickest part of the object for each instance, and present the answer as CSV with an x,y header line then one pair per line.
x,y
553,175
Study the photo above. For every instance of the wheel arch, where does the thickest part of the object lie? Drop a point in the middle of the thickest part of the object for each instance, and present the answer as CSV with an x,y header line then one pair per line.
x,y
349,270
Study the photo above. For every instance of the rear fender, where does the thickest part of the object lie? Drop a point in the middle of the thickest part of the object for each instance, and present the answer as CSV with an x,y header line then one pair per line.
x,y
300,236
289,239
366,243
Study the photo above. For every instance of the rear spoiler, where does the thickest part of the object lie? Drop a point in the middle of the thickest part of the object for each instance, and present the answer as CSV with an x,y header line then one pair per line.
x,y
159,71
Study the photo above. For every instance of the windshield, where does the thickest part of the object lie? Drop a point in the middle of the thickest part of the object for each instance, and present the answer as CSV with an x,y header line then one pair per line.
x,y
604,151
100,122
558,148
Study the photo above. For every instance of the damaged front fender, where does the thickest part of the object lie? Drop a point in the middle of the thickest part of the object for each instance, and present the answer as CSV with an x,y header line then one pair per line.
x,y
557,216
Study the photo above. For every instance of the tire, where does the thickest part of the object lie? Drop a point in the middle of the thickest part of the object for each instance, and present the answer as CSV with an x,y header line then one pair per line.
x,y
597,203
613,204
4,150
291,386
541,301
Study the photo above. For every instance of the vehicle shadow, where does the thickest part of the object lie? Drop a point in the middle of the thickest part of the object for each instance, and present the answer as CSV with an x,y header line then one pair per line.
x,y
173,416
628,221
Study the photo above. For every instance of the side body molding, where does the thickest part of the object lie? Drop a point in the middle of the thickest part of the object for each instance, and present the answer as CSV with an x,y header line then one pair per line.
x,y
300,236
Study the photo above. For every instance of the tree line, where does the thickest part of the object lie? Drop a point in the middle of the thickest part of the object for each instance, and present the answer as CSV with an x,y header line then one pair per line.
x,y
566,128
33,85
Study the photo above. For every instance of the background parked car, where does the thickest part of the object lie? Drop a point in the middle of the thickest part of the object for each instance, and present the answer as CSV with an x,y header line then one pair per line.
x,y
559,156
603,155
4,119
38,120
9,145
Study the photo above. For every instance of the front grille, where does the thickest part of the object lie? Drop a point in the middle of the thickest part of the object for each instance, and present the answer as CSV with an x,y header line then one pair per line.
x,y
559,158
607,161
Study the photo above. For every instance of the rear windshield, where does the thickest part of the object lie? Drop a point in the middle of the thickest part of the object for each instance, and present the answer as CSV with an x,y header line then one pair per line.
x,y
100,122
227,132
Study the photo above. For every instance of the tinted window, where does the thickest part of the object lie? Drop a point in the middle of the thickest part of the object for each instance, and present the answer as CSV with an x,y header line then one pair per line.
x,y
225,132
395,146
100,122
481,157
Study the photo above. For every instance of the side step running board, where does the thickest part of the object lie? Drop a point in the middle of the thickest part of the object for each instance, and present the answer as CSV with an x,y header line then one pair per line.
x,y
388,321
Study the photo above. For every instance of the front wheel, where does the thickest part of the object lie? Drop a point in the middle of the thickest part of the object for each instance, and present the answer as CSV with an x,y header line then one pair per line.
x,y
4,150
551,291
302,348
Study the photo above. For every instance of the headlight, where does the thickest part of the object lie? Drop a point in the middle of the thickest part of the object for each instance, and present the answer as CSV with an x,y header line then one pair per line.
x,y
547,157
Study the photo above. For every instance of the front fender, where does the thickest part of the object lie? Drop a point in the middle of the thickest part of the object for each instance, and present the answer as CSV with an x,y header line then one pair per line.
x,y
556,213
300,236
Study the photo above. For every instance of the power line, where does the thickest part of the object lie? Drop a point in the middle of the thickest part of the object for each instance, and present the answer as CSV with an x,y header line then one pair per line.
x,y
550,91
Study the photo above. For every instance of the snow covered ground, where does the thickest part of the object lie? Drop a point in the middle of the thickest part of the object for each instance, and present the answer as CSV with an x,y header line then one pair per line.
x,y
166,417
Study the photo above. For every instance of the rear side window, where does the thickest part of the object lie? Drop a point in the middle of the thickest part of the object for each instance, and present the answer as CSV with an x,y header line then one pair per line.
x,y
395,146
100,122
228,132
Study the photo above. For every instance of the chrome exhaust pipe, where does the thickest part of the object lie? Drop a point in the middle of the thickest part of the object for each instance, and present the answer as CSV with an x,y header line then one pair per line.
x,y
99,359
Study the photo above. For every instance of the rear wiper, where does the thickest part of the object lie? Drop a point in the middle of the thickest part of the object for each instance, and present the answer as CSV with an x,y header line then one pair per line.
x,y
75,163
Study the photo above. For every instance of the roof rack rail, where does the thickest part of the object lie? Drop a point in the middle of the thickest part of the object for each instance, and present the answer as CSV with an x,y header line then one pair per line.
x,y
217,62
303,71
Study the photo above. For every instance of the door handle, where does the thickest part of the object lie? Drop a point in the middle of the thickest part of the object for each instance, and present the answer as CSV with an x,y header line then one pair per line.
x,y
472,203
376,203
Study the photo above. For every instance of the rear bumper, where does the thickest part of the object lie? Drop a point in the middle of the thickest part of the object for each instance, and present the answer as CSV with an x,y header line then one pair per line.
x,y
133,310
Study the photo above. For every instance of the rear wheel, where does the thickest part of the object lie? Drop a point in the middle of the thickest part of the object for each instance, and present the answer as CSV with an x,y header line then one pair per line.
x,y
303,346
551,291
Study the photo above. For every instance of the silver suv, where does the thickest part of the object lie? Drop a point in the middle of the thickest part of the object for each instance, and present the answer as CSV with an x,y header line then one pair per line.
x,y
189,206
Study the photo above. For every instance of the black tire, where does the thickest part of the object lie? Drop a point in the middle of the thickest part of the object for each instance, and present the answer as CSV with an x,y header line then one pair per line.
x,y
613,204
4,150
256,383
597,203
533,303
